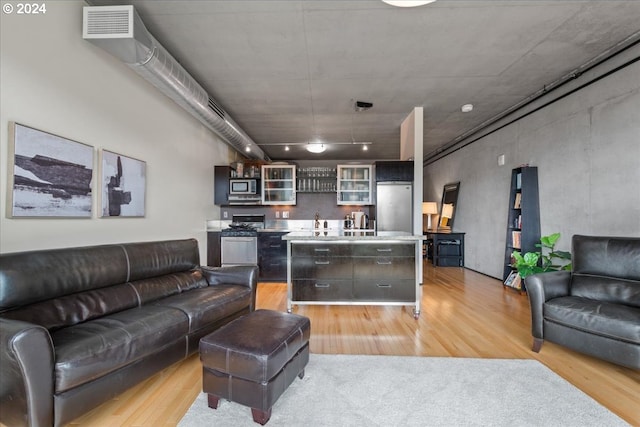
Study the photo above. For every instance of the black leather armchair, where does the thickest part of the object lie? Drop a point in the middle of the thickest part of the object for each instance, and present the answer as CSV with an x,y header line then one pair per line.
x,y
595,308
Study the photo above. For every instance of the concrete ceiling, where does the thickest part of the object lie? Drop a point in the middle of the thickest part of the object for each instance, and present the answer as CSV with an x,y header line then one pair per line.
x,y
290,71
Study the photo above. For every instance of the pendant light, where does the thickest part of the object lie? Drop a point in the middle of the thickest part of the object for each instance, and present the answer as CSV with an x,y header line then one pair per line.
x,y
315,147
408,3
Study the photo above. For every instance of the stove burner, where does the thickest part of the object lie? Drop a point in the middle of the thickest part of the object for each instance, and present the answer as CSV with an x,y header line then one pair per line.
x,y
241,226
239,231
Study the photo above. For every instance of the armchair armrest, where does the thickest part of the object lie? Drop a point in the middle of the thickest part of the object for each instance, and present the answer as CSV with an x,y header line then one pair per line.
x,y
26,383
541,288
244,275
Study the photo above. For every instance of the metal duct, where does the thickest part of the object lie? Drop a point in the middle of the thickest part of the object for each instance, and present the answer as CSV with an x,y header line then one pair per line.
x,y
120,31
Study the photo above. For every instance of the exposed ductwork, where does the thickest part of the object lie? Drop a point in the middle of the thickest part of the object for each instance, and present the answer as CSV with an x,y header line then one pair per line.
x,y
120,31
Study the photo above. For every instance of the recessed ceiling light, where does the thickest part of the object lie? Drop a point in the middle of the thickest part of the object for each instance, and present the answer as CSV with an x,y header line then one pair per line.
x,y
316,147
365,148
408,3
247,149
467,108
286,148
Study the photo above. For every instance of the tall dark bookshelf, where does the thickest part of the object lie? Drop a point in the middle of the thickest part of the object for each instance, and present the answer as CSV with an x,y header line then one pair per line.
x,y
523,226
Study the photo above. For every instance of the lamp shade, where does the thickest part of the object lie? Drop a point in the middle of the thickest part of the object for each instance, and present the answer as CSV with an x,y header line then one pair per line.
x,y
429,208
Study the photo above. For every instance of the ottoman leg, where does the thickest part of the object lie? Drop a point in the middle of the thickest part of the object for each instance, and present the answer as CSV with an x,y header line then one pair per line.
x,y
213,401
261,417
301,374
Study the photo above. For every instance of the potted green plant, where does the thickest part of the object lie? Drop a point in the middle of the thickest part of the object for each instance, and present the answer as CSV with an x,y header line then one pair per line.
x,y
541,262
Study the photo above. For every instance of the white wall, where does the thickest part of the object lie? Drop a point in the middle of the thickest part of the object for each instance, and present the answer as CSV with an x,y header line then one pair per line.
x,y
55,81
587,150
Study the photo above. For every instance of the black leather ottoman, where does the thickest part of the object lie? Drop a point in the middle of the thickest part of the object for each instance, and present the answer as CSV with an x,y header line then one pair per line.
x,y
252,360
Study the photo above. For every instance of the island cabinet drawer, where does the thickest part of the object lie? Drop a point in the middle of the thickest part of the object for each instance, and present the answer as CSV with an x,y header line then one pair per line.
x,y
321,268
385,290
321,249
322,290
384,249
387,267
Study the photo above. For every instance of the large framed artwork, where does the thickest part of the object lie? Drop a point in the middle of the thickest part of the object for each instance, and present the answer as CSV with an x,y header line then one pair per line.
x,y
49,175
122,185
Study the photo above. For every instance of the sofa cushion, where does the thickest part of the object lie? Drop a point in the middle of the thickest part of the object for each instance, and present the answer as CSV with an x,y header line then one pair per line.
x,y
30,277
77,308
606,269
606,256
93,349
207,305
616,321
152,259
150,290
607,289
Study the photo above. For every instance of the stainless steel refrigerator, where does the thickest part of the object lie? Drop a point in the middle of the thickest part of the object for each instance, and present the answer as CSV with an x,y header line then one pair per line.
x,y
394,206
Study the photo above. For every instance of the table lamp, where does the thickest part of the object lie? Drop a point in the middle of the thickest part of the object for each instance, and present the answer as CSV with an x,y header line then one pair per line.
x,y
429,208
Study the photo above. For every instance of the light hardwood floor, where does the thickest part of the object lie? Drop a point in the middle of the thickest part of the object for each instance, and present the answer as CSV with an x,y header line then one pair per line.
x,y
464,314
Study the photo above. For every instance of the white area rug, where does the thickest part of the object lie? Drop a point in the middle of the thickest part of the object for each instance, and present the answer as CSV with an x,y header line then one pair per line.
x,y
347,390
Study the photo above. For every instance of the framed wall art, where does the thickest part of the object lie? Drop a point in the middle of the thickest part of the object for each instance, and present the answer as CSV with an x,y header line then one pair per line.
x,y
122,185
48,175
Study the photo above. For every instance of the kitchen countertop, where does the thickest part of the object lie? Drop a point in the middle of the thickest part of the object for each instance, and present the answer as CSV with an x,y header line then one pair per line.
x,y
350,235
285,226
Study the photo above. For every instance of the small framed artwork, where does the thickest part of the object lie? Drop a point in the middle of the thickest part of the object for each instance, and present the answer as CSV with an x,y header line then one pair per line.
x,y
49,175
122,185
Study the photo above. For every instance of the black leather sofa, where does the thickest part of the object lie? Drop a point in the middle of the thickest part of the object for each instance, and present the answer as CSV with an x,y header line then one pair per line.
x,y
78,326
594,309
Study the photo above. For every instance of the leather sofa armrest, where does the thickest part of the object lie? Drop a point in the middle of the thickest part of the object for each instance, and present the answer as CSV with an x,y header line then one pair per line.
x,y
244,275
26,383
541,288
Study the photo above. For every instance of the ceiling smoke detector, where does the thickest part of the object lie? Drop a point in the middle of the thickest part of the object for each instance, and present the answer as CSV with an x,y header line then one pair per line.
x,y
363,106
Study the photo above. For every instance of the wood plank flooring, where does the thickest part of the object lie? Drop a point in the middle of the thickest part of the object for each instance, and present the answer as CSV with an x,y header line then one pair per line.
x,y
464,314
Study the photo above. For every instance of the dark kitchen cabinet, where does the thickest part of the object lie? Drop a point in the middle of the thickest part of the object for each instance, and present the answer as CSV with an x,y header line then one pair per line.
x,y
354,273
221,185
272,257
213,249
394,171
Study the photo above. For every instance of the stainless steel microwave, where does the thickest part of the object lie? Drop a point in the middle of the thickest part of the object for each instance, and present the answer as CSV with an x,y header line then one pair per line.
x,y
243,186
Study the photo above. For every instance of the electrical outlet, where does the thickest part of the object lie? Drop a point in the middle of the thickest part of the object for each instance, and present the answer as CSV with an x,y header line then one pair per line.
x,y
225,214
277,214
285,214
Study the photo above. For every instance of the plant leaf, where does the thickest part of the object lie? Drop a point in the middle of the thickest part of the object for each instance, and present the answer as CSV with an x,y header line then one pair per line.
x,y
561,254
531,258
550,240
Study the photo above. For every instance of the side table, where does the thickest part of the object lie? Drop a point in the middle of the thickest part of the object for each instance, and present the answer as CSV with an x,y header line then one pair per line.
x,y
445,248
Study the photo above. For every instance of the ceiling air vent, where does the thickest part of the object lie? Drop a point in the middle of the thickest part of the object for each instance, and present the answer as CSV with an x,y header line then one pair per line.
x,y
216,108
108,21
120,31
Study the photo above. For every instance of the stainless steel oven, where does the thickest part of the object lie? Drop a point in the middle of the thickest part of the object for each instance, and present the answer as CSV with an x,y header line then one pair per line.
x,y
239,250
239,242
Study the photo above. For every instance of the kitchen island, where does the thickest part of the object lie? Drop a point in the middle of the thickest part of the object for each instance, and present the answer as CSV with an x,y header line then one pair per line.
x,y
354,267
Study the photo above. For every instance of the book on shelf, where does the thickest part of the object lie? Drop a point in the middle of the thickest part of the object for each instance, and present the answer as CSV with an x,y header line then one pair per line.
x,y
518,201
519,181
517,222
514,280
516,237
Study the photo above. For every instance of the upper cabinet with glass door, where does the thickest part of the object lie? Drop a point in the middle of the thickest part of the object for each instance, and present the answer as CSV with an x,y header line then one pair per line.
x,y
354,185
278,185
